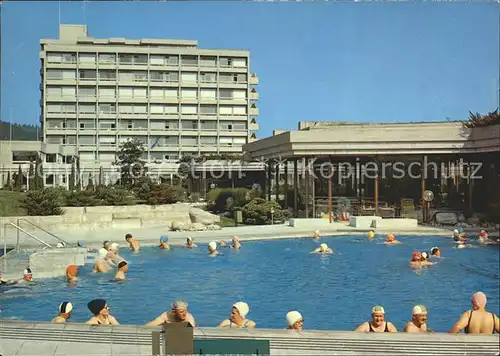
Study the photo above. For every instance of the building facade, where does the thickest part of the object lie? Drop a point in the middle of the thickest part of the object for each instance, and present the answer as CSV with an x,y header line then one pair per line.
x,y
175,98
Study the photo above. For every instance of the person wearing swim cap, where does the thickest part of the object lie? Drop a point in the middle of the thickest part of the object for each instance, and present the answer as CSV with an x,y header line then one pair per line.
x,y
65,309
133,243
102,264
418,323
212,248
323,249
294,320
190,243
416,259
477,320
164,243
435,252
106,244
391,240
100,309
424,261
122,268
178,314
27,278
316,234
71,273
238,318
371,235
113,256
378,323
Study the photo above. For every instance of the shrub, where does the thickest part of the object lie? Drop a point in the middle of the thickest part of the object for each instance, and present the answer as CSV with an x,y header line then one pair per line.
x,y
164,194
115,195
80,198
142,187
42,203
221,200
258,212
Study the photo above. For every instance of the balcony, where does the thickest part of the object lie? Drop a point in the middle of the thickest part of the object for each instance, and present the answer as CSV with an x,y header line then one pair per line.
x,y
253,126
253,111
253,95
254,80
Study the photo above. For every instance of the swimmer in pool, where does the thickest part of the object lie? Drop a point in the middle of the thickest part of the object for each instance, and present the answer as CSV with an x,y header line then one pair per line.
x,y
238,318
100,309
106,245
484,239
477,320
435,252
378,323
113,257
323,249
212,248
27,278
190,243
424,260
65,309
101,264
371,235
416,258
236,243
178,314
71,273
294,320
316,234
121,270
164,243
418,323
134,245
391,240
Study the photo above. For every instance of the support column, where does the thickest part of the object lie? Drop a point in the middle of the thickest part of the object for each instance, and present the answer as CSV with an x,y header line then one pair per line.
x,y
277,182
286,184
422,191
306,183
314,193
330,177
295,188
269,180
377,181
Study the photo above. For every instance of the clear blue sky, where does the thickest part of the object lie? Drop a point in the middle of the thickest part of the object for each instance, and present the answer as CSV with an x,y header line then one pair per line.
x,y
382,62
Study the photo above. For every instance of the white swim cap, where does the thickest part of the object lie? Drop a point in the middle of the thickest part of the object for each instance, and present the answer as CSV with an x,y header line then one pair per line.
x,y
425,255
61,244
102,252
455,231
242,308
114,246
292,317
27,271
316,232
419,309
189,238
378,309
213,245
324,246
461,246
65,307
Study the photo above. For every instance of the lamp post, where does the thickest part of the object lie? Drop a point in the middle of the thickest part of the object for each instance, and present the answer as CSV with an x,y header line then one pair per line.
x,y
272,216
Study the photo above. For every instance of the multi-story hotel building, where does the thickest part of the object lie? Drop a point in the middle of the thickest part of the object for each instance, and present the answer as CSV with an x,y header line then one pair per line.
x,y
174,97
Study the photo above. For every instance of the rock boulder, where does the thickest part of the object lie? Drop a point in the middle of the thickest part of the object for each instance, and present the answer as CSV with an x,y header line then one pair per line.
x,y
446,218
198,215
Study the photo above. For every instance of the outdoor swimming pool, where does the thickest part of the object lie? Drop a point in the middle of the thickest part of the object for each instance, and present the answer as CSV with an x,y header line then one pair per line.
x,y
333,292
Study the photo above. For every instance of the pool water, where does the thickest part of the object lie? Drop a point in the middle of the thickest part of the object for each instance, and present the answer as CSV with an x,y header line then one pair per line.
x,y
334,292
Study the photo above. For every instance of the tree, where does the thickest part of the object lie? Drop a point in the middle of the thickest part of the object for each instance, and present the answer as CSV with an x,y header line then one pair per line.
x,y
39,180
31,178
90,184
19,179
260,212
8,184
42,203
101,176
129,159
478,120
78,175
71,183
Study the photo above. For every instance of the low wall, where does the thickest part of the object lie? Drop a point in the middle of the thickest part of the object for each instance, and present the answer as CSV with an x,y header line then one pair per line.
x,y
363,222
395,224
309,223
138,340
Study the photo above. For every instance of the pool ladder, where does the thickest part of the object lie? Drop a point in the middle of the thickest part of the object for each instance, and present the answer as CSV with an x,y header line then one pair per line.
x,y
19,229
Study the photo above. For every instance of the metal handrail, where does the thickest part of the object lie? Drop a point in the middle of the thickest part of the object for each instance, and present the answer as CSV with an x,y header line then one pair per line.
x,y
20,229
40,228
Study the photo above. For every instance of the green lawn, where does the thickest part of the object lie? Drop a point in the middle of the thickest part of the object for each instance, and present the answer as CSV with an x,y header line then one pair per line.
x,y
10,203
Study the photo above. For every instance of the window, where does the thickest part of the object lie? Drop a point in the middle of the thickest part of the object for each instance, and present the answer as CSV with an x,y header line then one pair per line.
x,y
156,109
87,74
208,77
157,76
171,125
164,93
86,108
68,108
106,157
189,109
189,93
225,78
87,91
87,156
239,62
190,141
86,140
224,62
49,179
225,94
107,75
208,93
171,109
209,125
125,58
107,108
239,110
208,61
107,140
125,92
157,60
208,141
54,91
133,76
107,92
189,77
24,156
189,60
189,125
51,158
109,58
58,74
53,57
55,123
239,94
87,124
107,124
208,109
87,57
173,60
225,110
